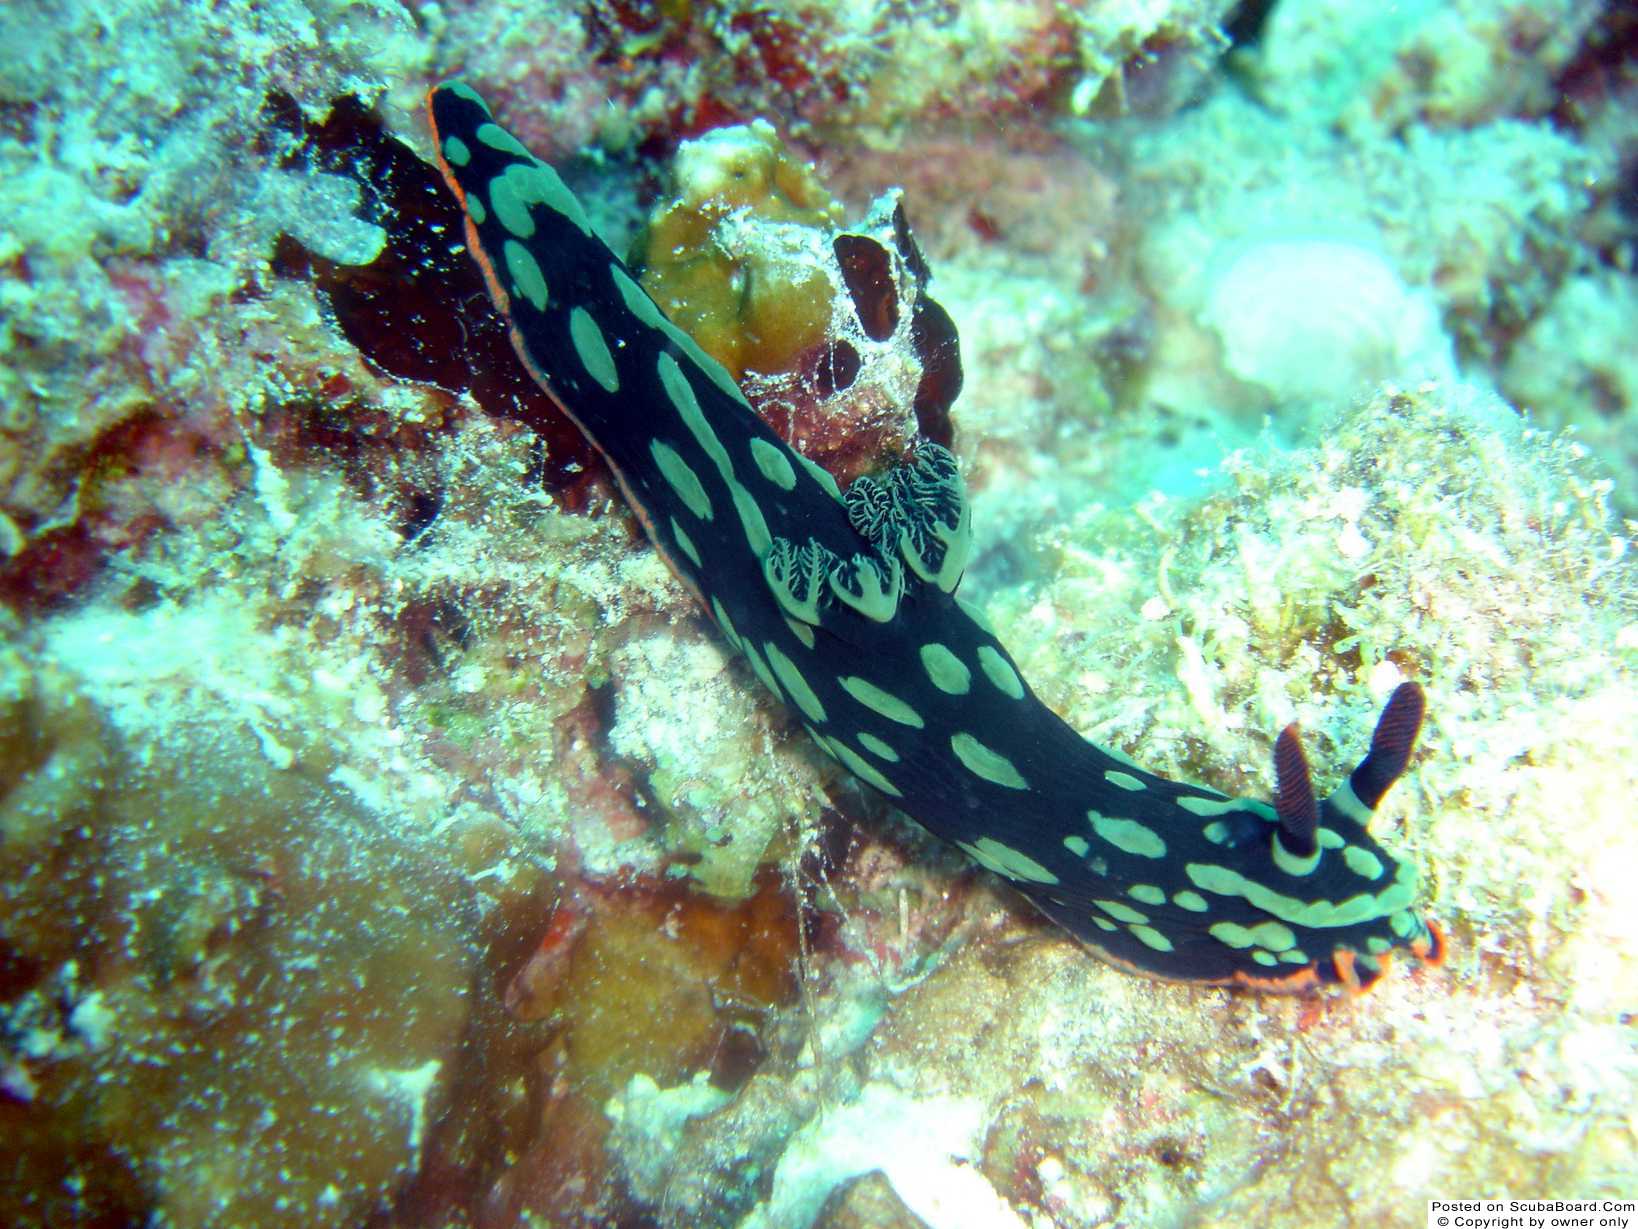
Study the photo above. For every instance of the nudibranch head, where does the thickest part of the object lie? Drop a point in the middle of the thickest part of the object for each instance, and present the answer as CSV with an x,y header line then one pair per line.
x,y
1279,896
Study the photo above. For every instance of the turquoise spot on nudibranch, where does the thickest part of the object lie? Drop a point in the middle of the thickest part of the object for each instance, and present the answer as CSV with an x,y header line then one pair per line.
x,y
685,543
1317,914
523,185
1362,862
456,151
774,464
881,702
682,478
1122,912
1272,935
986,762
498,139
687,405
593,350
1150,937
1001,675
1128,835
795,684
541,184
859,767
1209,806
511,210
529,281
751,519
801,631
466,93
945,669
1005,860
637,301
877,747
759,667
725,623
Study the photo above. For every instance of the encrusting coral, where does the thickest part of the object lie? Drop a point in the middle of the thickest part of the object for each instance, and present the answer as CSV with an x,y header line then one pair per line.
x,y
365,779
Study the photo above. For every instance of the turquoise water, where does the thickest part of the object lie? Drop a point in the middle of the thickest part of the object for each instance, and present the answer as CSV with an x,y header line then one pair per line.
x,y
388,838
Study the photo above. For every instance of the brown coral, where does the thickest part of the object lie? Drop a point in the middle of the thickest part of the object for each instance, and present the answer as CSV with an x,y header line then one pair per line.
x,y
830,330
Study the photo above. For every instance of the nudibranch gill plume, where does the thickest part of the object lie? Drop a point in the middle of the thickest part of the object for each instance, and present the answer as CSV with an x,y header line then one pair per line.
x,y
845,605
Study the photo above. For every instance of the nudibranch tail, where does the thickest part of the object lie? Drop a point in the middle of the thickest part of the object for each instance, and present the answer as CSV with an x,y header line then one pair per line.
x,y
845,607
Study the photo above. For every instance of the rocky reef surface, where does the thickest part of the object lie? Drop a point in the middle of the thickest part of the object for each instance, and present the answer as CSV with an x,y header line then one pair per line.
x,y
384,838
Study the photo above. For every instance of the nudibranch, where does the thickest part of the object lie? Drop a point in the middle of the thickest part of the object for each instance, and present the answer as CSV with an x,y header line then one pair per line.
x,y
845,605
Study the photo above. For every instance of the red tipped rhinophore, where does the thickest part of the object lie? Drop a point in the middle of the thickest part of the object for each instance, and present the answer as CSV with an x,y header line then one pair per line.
x,y
1391,744
1294,800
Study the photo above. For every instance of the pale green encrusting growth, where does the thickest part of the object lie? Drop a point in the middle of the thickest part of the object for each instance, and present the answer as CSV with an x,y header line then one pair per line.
x,y
431,713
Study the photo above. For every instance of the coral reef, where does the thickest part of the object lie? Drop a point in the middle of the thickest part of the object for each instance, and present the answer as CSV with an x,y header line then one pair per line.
x,y
1480,223
366,781
865,73
136,210
286,741
1435,63
830,331
1330,316
1571,367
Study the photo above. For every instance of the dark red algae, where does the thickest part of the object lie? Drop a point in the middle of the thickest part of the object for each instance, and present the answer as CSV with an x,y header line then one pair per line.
x,y
420,311
934,338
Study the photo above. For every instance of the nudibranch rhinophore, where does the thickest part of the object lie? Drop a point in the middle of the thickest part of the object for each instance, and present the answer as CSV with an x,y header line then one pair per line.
x,y
845,605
